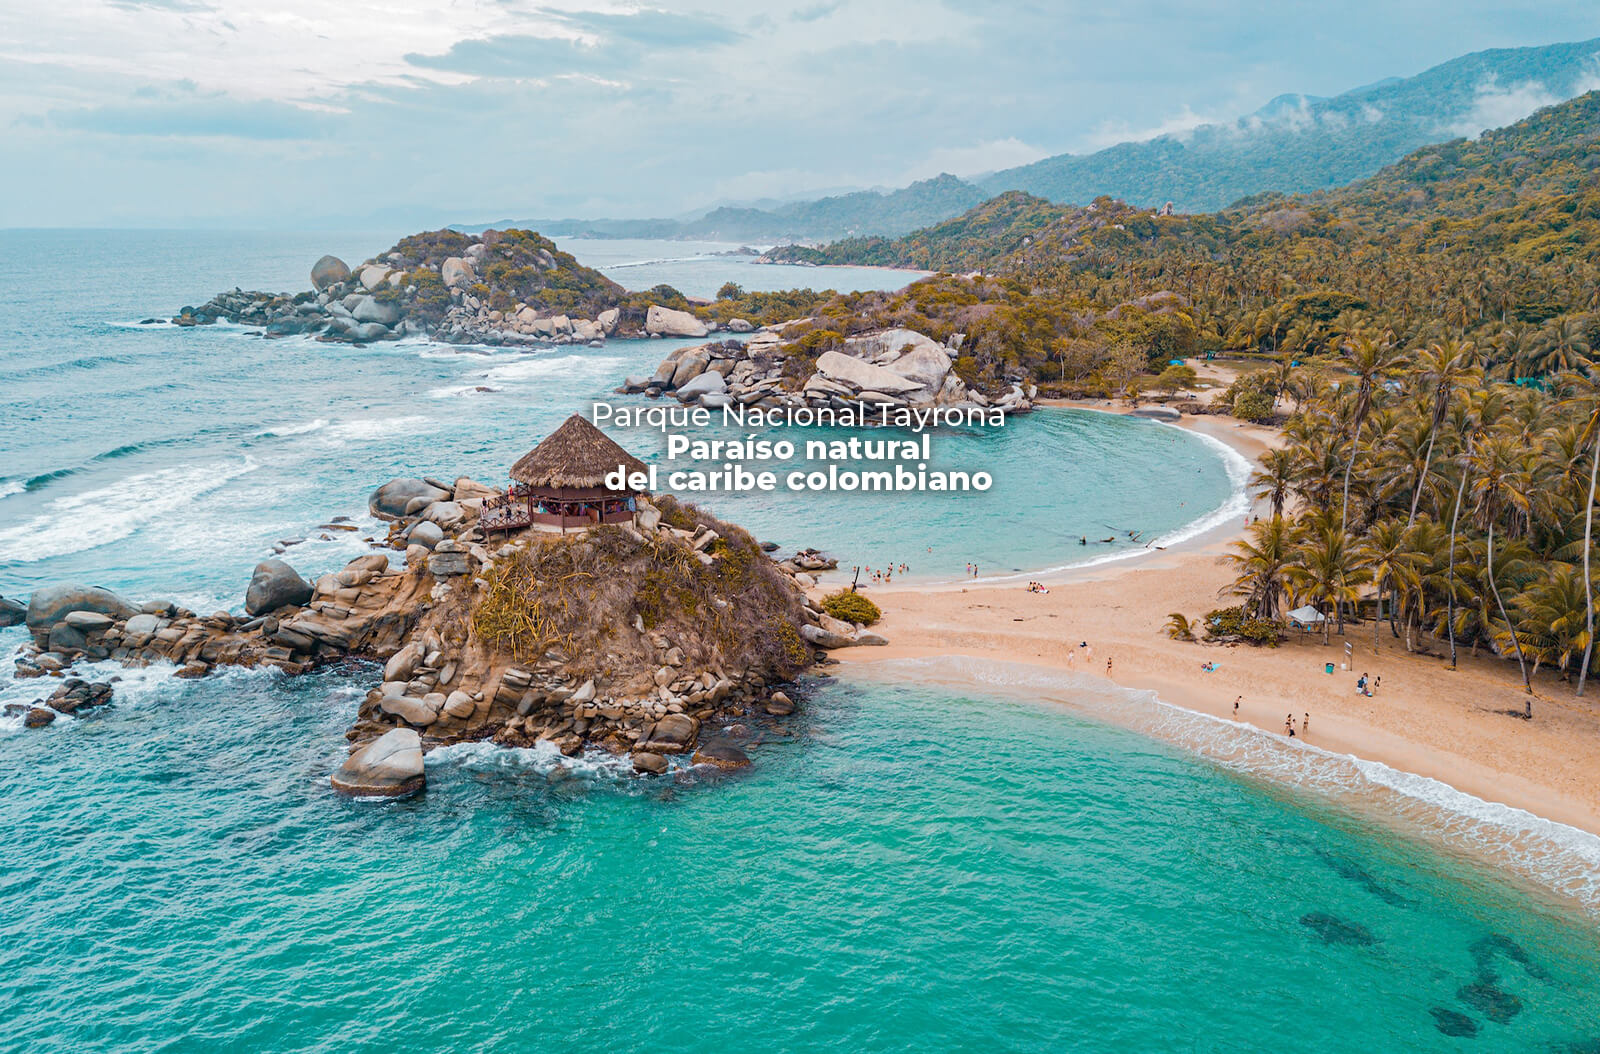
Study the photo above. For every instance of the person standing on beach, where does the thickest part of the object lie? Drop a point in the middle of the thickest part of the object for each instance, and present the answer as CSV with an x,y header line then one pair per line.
x,y
1236,700
1108,667
1305,725
1288,725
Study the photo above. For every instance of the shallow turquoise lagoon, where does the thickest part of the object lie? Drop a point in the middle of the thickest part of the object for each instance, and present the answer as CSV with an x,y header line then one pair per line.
x,y
909,868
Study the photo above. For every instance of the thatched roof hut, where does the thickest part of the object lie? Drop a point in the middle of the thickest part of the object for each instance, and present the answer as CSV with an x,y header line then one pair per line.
x,y
576,456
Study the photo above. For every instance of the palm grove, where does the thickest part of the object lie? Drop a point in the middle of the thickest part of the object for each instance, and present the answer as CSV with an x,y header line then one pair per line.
x,y
1430,333
1462,505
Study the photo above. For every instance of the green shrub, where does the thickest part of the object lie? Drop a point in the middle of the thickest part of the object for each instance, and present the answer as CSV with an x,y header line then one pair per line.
x,y
1234,624
1253,406
851,607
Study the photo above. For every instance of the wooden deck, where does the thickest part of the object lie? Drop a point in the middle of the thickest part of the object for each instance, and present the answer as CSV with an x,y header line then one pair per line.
x,y
509,514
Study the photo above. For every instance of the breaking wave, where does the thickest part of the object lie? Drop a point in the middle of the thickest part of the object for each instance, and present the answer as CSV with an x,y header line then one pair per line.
x,y
76,522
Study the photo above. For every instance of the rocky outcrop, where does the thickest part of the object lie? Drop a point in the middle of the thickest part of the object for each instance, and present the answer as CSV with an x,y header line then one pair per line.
x,y
695,630
71,700
329,271
12,613
456,272
389,767
49,609
434,285
403,497
275,585
899,367
665,322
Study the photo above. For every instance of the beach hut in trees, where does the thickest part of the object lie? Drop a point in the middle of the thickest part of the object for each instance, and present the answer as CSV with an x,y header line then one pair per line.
x,y
559,485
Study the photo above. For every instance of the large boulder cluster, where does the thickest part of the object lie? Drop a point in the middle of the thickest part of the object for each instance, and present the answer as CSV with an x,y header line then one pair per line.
x,y
436,285
677,689
897,367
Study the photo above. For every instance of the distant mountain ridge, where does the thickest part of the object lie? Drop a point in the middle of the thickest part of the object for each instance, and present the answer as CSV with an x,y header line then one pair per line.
x,y
1300,143
842,216
1294,144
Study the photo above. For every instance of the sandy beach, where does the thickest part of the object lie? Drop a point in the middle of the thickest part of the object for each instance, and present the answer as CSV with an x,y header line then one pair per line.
x,y
1452,726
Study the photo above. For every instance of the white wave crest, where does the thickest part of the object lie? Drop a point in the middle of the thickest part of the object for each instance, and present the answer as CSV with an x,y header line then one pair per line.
x,y
300,429
543,366
76,522
543,758
366,429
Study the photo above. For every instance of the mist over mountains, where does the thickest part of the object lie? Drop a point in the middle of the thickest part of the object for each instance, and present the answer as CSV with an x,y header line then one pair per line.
x,y
1299,143
1294,144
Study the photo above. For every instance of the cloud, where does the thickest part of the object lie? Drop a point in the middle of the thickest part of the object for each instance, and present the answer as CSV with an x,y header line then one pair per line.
x,y
815,13
990,155
513,56
1110,133
588,42
1495,105
655,28
195,116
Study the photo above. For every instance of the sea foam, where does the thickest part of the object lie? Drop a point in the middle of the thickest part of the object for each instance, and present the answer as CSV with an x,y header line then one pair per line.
x,y
76,522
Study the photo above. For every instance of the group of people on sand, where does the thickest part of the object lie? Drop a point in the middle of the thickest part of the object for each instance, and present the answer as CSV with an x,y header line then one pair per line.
x,y
1288,721
1366,687
1037,587
1088,656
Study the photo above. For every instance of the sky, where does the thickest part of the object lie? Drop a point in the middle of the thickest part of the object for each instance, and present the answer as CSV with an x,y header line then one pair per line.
x,y
413,113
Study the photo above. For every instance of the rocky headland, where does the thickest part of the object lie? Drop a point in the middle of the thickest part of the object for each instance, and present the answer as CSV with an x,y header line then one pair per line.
x,y
895,367
498,287
651,639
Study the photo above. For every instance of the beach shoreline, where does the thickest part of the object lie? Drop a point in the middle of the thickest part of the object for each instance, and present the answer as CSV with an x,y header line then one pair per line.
x,y
1456,727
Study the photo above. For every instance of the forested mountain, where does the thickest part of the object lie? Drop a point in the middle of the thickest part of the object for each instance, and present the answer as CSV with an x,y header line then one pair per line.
x,y
1300,143
1494,239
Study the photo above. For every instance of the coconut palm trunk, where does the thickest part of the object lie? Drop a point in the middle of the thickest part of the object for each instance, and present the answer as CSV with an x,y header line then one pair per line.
x,y
1344,506
1588,583
1427,460
1522,662
1450,577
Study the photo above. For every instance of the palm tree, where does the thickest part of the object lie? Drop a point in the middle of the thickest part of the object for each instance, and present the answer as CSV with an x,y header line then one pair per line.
x,y
1554,613
1273,479
1389,561
1261,558
1501,488
1370,359
1455,519
1323,569
1561,345
1584,393
1443,368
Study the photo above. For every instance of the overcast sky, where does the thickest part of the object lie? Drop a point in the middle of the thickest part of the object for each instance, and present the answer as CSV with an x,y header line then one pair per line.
x,y
306,113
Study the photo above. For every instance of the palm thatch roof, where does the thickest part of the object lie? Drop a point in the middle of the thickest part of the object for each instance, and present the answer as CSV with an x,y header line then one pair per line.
x,y
577,455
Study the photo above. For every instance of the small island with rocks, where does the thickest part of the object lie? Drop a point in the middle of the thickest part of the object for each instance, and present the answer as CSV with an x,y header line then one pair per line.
x,y
583,618
499,287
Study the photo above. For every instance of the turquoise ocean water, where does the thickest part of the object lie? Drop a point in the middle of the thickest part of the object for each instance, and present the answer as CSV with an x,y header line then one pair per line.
x,y
1023,864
